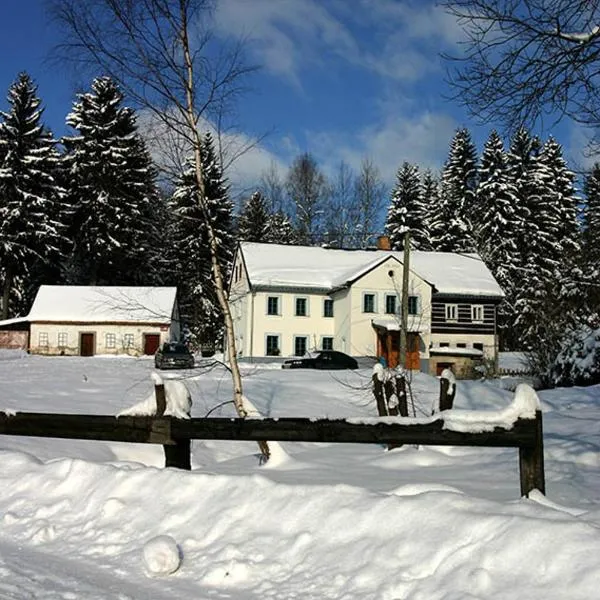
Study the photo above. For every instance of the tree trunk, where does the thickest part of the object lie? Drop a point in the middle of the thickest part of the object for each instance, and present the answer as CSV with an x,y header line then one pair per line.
x,y
192,122
6,292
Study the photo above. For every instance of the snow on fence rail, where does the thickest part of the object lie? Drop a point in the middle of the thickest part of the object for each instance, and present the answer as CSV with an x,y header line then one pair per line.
x,y
516,427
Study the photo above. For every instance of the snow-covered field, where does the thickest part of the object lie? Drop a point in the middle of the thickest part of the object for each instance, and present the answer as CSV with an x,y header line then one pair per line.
x,y
91,520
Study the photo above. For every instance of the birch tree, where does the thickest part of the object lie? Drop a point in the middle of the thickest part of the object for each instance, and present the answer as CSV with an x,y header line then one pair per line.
x,y
164,56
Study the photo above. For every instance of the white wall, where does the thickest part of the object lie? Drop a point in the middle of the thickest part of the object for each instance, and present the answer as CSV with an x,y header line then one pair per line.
x,y
287,325
379,282
100,330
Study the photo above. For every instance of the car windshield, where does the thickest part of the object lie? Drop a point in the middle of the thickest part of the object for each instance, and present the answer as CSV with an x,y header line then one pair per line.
x,y
175,349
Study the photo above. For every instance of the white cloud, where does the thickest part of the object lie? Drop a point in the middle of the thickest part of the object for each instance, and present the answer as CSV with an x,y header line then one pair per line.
x,y
398,40
423,139
285,34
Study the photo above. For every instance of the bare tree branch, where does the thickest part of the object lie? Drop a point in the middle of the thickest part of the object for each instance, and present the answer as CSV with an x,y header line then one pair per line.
x,y
528,60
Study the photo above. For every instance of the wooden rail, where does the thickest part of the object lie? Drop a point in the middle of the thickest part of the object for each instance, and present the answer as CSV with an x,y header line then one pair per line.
x,y
175,434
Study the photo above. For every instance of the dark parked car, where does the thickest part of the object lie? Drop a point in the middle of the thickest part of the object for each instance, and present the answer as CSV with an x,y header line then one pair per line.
x,y
173,355
325,359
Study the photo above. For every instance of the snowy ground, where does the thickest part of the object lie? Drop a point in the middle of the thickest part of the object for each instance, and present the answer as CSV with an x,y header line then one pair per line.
x,y
329,522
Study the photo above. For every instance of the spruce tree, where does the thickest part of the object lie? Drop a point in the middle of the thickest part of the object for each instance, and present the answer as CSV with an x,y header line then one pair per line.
x,y
549,293
430,196
253,220
407,211
500,223
192,263
451,222
111,192
591,224
31,234
280,230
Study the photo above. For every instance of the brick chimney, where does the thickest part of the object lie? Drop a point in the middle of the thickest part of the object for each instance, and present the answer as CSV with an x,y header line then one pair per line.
x,y
383,242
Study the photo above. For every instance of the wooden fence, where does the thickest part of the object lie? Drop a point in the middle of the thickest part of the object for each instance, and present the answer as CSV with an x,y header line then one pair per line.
x,y
175,434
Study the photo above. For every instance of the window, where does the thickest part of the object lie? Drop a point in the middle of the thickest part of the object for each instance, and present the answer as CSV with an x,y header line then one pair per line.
x,y
326,343
62,339
43,339
111,340
328,307
300,345
461,345
478,346
451,312
273,345
477,312
369,303
444,344
273,305
128,340
301,307
413,305
391,305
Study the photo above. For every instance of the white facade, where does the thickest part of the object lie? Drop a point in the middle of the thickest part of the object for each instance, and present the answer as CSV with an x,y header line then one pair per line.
x,y
109,338
350,327
88,320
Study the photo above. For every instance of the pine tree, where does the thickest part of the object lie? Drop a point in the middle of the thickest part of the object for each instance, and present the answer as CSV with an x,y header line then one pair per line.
x,y
31,235
549,293
430,196
253,220
451,222
501,221
112,191
407,210
192,265
591,224
280,230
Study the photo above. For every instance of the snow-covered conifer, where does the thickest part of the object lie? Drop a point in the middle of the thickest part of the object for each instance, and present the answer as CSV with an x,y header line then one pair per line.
x,y
280,229
501,221
591,223
451,223
192,266
253,220
407,210
31,233
111,191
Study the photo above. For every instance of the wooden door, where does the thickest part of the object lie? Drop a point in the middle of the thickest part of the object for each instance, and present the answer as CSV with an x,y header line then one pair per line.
x,y
412,352
388,346
87,344
441,366
151,342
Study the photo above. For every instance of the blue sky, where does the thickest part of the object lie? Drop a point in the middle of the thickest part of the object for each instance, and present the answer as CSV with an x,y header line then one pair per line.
x,y
342,79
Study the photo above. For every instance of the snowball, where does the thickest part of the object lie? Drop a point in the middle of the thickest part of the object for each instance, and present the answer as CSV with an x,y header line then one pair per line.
x,y
162,555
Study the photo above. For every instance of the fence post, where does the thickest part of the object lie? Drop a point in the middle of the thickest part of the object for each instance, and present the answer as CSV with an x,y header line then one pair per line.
x,y
176,455
531,461
379,396
446,396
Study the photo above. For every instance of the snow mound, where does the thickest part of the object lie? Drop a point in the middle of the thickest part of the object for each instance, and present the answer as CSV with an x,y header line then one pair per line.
x,y
524,406
179,401
162,555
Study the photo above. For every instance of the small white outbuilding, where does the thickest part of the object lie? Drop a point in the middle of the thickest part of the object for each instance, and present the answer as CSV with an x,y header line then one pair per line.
x,y
89,320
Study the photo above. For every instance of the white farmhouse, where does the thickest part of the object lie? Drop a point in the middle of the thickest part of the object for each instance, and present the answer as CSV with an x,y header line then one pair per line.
x,y
88,320
290,300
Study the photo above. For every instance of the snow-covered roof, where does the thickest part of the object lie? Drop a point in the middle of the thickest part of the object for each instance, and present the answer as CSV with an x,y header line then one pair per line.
x,y
326,268
13,321
414,325
67,303
453,350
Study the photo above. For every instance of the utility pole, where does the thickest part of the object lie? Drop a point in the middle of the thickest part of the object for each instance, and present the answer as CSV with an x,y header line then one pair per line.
x,y
404,312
